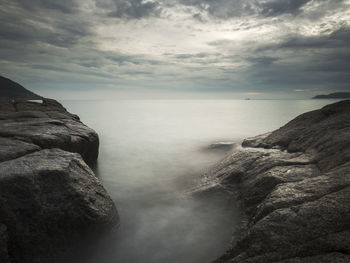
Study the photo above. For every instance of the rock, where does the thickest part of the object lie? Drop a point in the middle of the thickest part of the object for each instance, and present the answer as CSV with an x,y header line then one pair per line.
x,y
330,257
12,148
323,133
294,187
256,141
221,146
51,204
49,125
3,244
50,199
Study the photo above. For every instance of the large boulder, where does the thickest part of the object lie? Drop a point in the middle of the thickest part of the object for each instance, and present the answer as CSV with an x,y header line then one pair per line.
x,y
293,186
48,125
51,203
51,200
323,133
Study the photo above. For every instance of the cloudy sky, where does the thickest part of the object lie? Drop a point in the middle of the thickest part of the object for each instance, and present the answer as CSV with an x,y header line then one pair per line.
x,y
176,48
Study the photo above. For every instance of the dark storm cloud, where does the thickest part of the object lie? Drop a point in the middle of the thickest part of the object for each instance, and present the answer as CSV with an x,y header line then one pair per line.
x,y
225,9
197,55
122,59
262,61
64,35
65,6
219,42
47,41
322,60
50,67
278,7
199,17
129,9
36,25
340,38
76,41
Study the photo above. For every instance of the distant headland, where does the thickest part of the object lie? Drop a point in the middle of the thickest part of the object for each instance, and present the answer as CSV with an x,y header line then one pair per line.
x,y
335,95
12,90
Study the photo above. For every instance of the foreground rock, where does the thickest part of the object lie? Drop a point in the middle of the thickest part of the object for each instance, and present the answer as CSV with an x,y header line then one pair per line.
x,y
27,126
294,188
50,200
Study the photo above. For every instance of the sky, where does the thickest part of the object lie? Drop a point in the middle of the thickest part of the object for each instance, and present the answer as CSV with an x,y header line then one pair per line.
x,y
176,48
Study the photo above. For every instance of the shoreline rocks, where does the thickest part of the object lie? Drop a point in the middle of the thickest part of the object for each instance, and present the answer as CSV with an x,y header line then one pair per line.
x,y
50,200
293,186
47,125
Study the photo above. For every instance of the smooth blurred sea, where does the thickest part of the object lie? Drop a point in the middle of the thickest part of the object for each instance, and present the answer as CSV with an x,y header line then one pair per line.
x,y
151,153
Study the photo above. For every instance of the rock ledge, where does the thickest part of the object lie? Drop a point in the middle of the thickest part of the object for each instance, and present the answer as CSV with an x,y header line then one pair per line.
x,y
293,186
50,200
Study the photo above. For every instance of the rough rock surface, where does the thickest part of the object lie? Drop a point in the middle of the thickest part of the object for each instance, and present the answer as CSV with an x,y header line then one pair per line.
x,y
50,200
294,188
27,126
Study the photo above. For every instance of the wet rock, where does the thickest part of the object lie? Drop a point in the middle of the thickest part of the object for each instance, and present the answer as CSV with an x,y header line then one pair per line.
x,y
12,148
257,141
330,257
49,125
221,146
324,133
50,199
51,203
3,244
294,187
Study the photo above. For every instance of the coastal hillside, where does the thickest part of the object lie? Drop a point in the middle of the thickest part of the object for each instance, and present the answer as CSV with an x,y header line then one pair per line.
x,y
12,90
335,95
293,186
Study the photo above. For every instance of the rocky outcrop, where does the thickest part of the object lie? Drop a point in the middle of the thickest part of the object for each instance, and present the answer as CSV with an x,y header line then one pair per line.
x,y
293,186
27,126
50,200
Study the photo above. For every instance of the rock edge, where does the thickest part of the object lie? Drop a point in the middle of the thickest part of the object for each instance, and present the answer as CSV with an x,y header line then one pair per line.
x,y
293,186
50,200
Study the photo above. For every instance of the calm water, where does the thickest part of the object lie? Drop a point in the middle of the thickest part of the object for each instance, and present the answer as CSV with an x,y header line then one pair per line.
x,y
151,154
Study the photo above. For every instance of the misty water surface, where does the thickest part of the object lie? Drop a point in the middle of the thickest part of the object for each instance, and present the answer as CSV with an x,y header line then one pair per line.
x,y
151,153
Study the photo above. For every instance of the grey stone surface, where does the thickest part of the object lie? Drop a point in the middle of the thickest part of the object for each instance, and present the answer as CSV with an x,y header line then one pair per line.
x,y
293,186
52,198
51,203
12,148
3,244
48,125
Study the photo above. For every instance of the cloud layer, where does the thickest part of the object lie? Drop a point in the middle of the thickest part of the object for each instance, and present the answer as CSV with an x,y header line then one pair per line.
x,y
283,48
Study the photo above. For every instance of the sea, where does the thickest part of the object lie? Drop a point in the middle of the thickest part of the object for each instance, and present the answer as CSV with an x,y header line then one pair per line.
x,y
154,152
